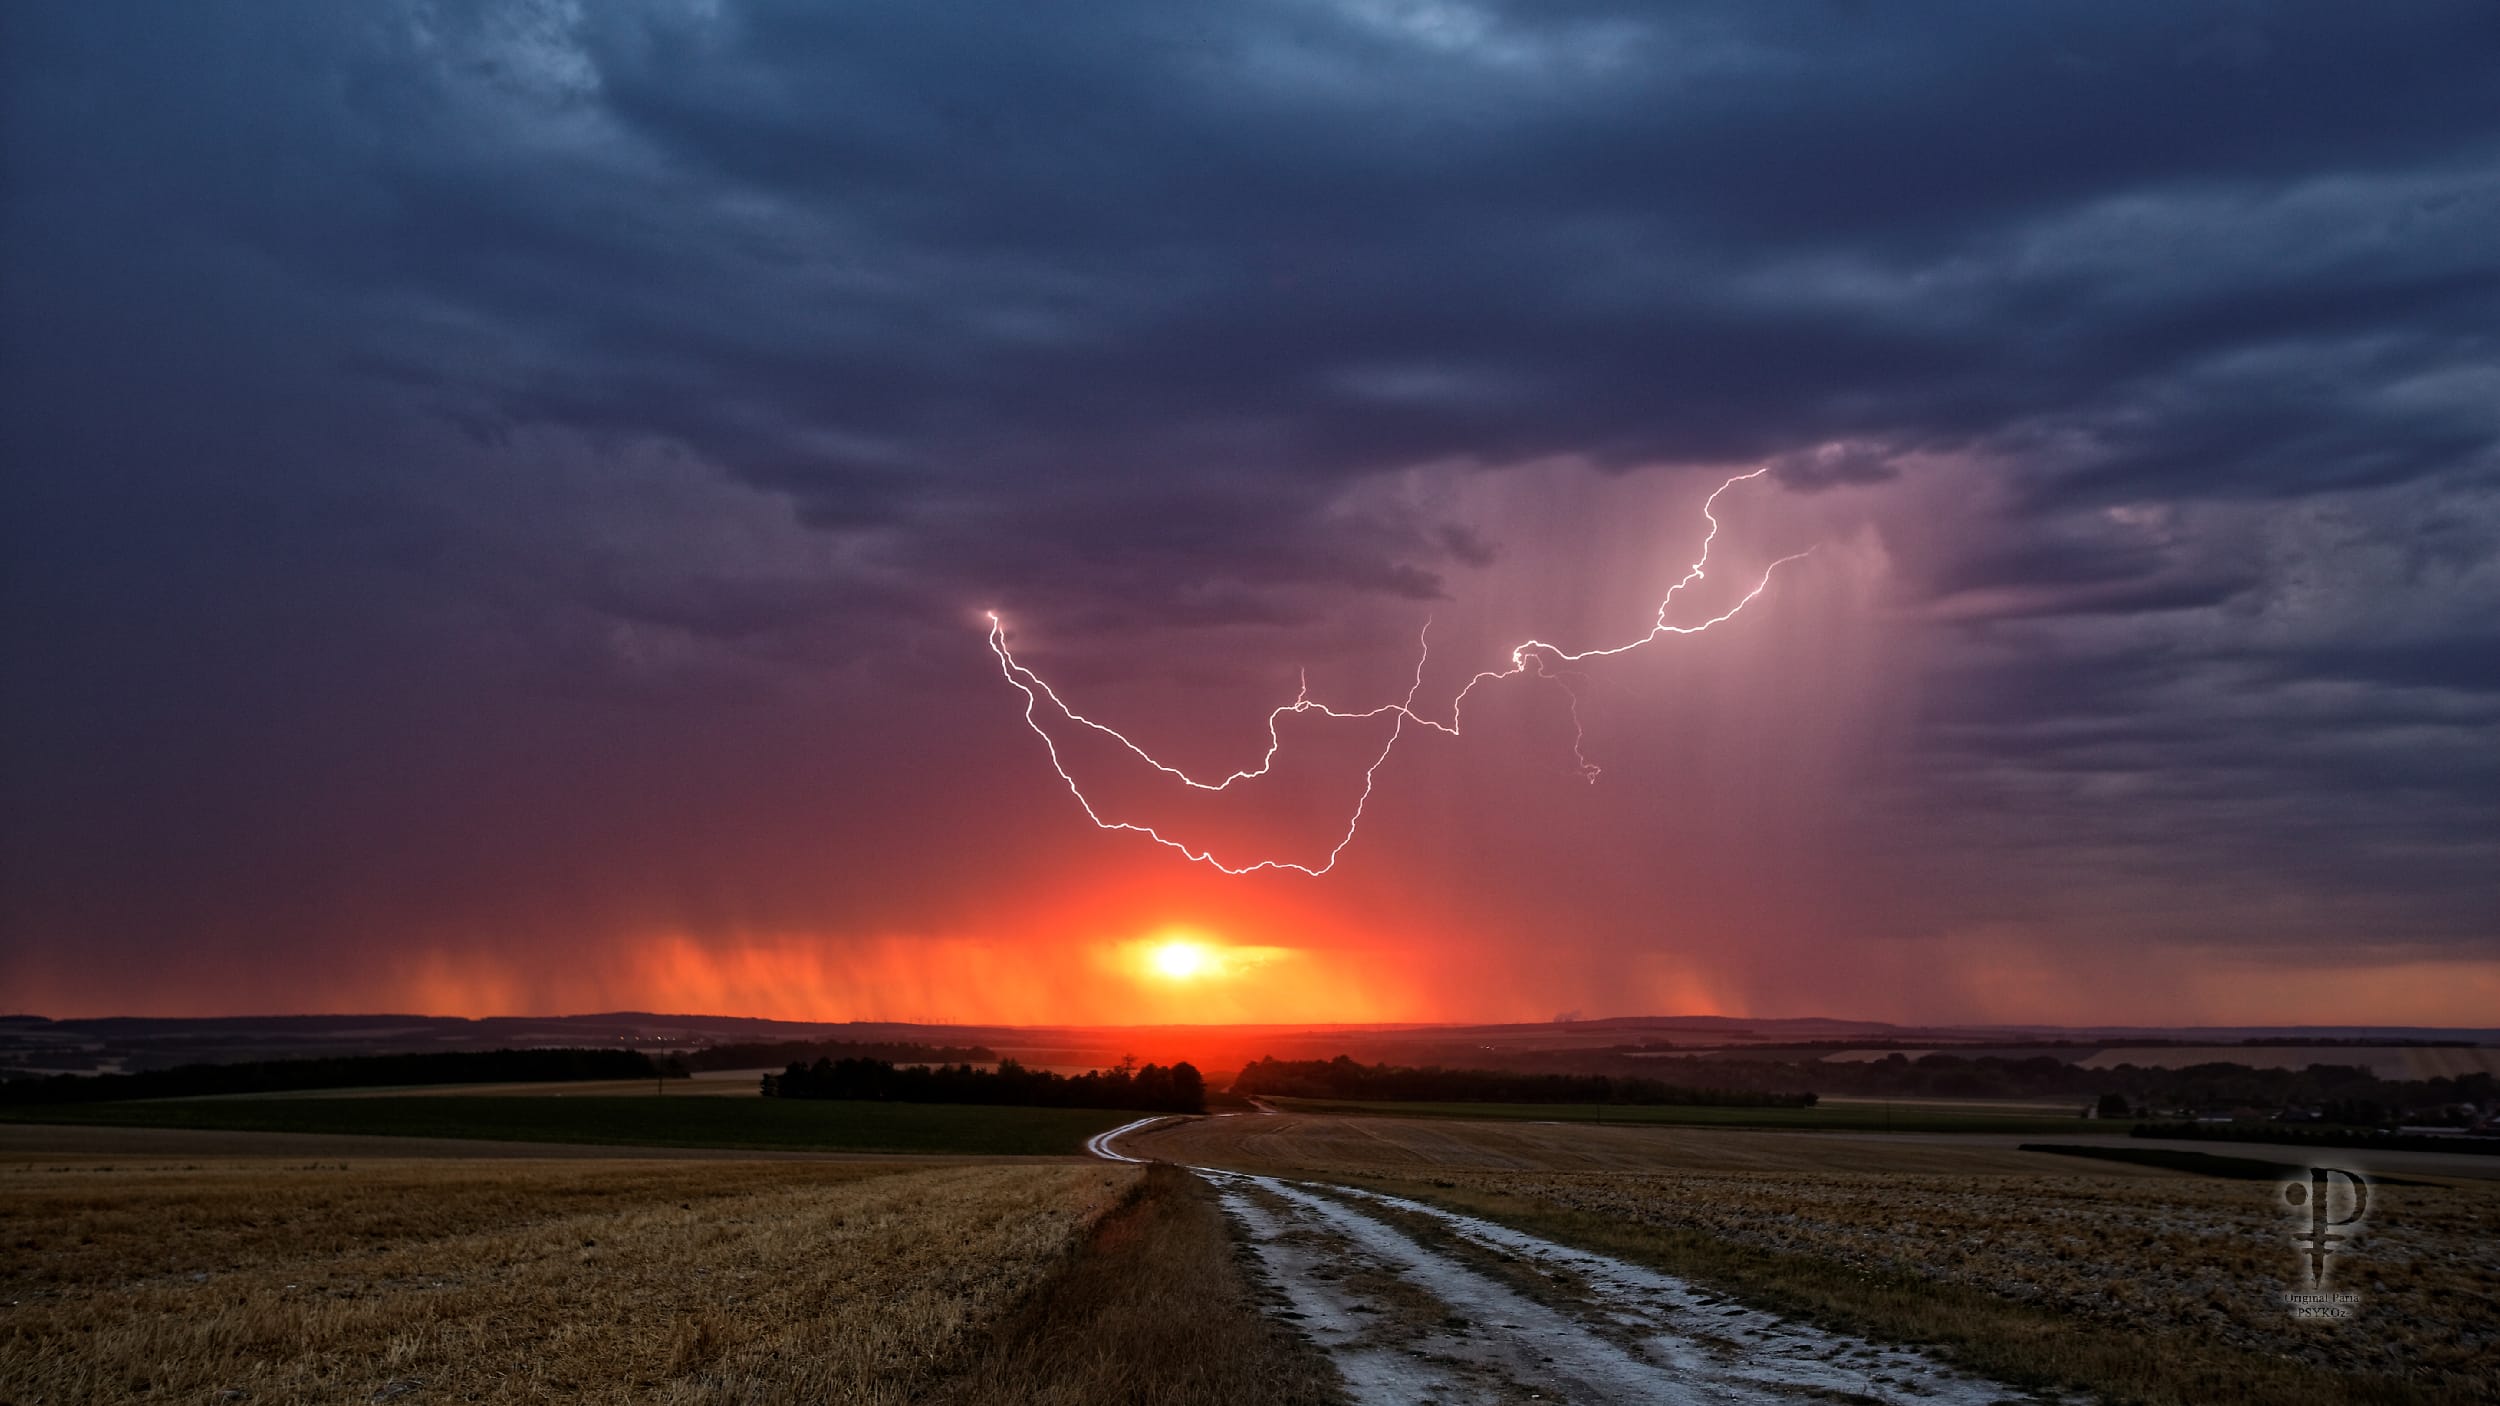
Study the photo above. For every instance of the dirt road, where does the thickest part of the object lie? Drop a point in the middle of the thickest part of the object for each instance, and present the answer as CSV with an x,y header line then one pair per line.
x,y
1417,1304
1100,1143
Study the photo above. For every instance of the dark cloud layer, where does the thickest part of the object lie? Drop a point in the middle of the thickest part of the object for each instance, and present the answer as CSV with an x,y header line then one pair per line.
x,y
429,426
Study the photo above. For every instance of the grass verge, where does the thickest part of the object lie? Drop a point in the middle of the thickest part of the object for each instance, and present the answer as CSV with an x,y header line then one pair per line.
x,y
1850,1117
782,1124
1157,1309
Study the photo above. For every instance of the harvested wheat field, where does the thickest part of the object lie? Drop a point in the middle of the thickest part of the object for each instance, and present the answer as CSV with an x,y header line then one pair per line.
x,y
2129,1283
275,1282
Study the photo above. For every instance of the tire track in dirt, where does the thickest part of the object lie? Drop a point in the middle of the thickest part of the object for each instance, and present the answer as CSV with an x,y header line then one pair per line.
x,y
1417,1304
1100,1144
1410,1321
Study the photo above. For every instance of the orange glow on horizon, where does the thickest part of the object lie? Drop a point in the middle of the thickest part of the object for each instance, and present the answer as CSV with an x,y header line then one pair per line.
x,y
1165,976
1187,977
1325,978
1151,950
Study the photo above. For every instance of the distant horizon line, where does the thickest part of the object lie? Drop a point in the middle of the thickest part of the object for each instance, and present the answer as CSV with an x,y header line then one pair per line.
x,y
2381,1030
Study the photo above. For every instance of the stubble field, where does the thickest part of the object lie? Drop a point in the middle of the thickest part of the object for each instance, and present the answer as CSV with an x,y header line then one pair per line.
x,y
467,1273
511,1281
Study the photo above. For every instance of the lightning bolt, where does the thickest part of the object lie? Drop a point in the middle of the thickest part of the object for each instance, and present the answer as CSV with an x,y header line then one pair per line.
x,y
1533,656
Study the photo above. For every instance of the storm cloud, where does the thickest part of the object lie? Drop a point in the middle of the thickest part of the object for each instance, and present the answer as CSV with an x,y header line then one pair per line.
x,y
482,470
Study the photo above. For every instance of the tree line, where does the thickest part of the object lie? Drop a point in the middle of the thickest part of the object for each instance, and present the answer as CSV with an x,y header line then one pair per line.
x,y
2343,1093
341,1072
1343,1078
2380,1139
774,1054
1151,1088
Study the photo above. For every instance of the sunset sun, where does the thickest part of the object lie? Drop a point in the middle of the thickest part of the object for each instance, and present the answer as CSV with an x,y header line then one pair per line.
x,y
1196,973
1180,960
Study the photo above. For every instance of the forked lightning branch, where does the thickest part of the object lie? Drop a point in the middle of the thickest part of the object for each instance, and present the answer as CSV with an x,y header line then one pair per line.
x,y
1532,657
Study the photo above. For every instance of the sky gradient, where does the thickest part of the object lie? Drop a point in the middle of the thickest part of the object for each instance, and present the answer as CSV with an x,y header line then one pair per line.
x,y
500,502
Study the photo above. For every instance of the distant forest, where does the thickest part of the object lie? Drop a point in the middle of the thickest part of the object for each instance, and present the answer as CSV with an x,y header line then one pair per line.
x,y
340,1072
1153,1088
2343,1093
1343,1078
784,1052
2386,1140
530,1066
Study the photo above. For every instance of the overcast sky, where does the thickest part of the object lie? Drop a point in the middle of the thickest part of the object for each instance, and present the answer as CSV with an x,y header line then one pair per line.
x,y
500,500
